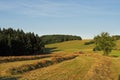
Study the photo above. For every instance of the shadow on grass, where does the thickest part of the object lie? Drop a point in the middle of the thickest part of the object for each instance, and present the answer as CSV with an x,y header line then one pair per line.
x,y
119,77
50,50
114,56
9,78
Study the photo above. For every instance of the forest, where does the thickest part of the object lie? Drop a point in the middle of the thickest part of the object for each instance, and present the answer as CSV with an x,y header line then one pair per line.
x,y
17,42
49,39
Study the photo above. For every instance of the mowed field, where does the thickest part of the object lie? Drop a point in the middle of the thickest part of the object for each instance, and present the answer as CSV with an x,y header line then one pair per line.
x,y
60,65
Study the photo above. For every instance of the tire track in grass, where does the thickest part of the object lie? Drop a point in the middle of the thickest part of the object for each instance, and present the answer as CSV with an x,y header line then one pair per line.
x,y
100,69
74,69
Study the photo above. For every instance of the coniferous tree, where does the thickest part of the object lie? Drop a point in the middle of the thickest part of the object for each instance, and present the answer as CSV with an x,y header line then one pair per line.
x,y
16,42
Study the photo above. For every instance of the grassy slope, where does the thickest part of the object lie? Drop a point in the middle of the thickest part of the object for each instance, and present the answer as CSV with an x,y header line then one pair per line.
x,y
76,46
70,46
75,69
115,67
62,71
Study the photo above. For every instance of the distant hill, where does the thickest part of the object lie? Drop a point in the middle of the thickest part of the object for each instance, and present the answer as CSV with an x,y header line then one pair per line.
x,y
117,37
48,39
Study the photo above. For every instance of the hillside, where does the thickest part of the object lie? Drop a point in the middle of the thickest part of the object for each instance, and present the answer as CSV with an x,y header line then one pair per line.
x,y
70,47
49,39
60,64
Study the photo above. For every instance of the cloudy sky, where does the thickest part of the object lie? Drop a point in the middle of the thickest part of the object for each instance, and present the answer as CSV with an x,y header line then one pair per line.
x,y
85,18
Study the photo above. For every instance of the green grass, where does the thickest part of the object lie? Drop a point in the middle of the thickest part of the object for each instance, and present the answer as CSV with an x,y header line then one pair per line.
x,y
115,53
70,46
118,44
75,69
78,45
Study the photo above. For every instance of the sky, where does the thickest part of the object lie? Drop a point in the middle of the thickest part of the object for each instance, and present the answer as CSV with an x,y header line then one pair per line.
x,y
85,18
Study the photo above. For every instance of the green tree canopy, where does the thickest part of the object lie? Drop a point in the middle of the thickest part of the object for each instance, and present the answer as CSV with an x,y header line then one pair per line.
x,y
105,42
48,39
17,42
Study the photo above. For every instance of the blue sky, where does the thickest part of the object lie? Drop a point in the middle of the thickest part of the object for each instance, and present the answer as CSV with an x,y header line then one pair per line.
x,y
85,18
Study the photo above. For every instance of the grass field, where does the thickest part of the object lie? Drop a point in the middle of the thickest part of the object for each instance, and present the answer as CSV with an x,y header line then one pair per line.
x,y
69,70
5,66
70,47
87,66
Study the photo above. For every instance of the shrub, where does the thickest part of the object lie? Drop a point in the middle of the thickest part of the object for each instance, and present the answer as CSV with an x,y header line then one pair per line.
x,y
97,48
88,43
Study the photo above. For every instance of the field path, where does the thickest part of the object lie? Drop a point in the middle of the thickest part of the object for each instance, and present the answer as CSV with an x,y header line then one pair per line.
x,y
74,69
100,70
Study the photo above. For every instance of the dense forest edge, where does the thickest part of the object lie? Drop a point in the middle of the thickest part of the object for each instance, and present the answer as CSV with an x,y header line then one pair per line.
x,y
49,39
16,42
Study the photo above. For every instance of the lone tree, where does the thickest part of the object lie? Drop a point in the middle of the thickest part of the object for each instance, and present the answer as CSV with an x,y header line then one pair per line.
x,y
105,42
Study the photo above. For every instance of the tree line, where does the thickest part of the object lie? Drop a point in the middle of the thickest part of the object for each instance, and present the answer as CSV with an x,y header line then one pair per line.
x,y
116,37
48,39
17,42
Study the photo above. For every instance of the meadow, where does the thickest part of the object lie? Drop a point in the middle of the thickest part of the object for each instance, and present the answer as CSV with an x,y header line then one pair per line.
x,y
70,60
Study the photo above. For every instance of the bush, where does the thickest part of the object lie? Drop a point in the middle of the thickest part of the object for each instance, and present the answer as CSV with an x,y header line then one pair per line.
x,y
88,43
97,48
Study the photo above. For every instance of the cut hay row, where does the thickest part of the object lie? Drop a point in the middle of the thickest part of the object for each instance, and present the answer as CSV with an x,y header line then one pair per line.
x,y
21,58
41,64
100,70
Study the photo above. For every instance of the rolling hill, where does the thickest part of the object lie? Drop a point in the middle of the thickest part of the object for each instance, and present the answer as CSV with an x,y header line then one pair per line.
x,y
87,65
